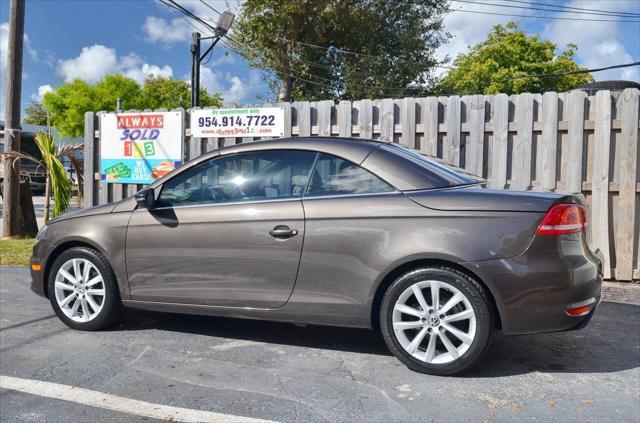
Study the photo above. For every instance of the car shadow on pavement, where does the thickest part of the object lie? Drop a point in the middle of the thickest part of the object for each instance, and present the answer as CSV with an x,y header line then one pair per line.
x,y
311,336
610,343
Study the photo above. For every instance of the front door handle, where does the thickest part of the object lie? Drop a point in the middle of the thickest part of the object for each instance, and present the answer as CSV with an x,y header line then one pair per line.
x,y
283,232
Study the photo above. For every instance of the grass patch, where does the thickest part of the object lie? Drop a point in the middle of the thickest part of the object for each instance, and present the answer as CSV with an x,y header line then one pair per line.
x,y
15,252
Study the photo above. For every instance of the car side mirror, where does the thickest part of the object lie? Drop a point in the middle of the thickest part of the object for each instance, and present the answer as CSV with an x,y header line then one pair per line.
x,y
146,198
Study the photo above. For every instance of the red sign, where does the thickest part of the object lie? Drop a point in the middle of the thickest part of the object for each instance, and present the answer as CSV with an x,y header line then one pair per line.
x,y
140,121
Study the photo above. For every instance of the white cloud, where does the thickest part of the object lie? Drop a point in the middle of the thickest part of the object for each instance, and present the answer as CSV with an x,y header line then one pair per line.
x,y
96,61
140,74
42,90
177,30
168,32
91,65
599,43
233,89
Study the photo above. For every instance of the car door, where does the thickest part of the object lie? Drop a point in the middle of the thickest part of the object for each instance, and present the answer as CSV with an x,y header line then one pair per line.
x,y
227,232
351,221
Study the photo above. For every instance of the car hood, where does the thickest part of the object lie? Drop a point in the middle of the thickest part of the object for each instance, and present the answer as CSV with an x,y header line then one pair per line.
x,y
103,209
476,198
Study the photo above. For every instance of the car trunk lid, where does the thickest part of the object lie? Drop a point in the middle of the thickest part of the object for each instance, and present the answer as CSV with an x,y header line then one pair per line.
x,y
476,198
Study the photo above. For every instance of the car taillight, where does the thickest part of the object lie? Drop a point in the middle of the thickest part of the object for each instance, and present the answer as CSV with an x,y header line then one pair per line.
x,y
563,219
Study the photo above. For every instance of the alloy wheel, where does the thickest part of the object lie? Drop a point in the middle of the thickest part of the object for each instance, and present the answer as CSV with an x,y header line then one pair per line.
x,y
79,290
438,330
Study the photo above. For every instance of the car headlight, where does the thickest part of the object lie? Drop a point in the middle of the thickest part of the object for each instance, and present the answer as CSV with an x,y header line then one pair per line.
x,y
40,233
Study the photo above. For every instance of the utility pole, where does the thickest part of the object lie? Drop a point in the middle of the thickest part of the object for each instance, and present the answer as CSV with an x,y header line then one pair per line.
x,y
12,128
195,68
222,27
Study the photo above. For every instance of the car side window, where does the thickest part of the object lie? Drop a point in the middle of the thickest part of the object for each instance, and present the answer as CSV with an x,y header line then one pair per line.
x,y
251,176
335,176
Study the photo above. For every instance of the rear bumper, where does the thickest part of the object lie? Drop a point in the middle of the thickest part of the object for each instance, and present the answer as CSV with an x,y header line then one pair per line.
x,y
534,290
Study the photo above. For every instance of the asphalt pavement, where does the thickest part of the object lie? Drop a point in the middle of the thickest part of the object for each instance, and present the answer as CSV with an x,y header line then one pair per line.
x,y
235,369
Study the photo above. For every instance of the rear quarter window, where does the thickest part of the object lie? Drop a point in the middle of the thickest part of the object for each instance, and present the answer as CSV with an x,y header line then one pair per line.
x,y
435,174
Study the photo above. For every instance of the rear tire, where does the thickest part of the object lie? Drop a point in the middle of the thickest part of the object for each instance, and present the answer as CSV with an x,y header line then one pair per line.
x,y
83,290
445,332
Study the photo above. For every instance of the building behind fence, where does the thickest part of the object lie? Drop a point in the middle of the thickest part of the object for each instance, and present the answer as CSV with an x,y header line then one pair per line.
x,y
563,142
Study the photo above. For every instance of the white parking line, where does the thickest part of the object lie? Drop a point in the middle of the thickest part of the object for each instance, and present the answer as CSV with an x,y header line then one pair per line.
x,y
116,403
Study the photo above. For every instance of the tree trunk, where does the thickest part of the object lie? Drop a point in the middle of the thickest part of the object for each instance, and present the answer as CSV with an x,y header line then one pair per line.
x,y
11,187
286,88
47,196
28,223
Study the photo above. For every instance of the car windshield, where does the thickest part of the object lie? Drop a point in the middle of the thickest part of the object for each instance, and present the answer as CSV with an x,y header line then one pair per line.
x,y
446,175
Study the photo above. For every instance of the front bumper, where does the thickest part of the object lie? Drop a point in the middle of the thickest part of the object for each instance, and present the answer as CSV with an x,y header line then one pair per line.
x,y
38,277
533,291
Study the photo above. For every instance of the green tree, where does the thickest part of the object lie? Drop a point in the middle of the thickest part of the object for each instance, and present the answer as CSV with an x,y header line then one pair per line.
x,y
68,103
35,114
493,66
107,91
159,92
395,44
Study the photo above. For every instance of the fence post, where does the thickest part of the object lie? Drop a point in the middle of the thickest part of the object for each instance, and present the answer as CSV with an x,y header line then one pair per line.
x,y
600,179
451,148
549,149
343,118
365,118
628,145
521,173
499,146
304,118
575,141
90,157
475,142
431,126
324,117
387,124
408,121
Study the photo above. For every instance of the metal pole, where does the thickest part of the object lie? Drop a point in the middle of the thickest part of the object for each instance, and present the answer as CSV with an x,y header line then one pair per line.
x,y
195,69
11,187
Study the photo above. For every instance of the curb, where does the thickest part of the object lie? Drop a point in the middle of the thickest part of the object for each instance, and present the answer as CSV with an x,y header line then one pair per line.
x,y
621,292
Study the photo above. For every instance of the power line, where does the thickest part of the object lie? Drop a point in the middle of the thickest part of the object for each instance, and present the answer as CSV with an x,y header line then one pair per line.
x,y
210,7
542,17
610,14
544,75
574,8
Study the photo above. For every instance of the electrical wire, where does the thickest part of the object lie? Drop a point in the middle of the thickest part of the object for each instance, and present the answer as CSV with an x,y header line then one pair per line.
x,y
574,8
544,75
612,14
543,17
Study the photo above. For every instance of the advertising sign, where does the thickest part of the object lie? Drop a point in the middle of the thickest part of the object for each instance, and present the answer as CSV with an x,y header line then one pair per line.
x,y
246,122
138,148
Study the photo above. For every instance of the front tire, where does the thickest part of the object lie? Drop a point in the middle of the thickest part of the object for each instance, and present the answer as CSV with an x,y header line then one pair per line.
x,y
436,320
83,290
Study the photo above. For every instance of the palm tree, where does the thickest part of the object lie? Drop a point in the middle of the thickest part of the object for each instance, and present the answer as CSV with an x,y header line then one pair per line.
x,y
57,179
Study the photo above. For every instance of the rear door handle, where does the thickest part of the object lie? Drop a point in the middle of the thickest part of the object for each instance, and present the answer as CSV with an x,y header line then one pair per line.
x,y
282,232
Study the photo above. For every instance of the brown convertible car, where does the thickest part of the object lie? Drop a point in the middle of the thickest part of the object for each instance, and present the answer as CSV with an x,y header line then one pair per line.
x,y
331,232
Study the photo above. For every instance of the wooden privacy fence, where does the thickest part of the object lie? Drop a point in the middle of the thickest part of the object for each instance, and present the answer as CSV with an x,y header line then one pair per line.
x,y
563,142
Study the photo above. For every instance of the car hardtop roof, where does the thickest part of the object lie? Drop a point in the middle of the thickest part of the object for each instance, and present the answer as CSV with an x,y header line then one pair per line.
x,y
353,149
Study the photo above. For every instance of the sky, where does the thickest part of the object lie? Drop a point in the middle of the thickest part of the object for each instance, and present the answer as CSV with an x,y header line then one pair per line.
x,y
87,39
